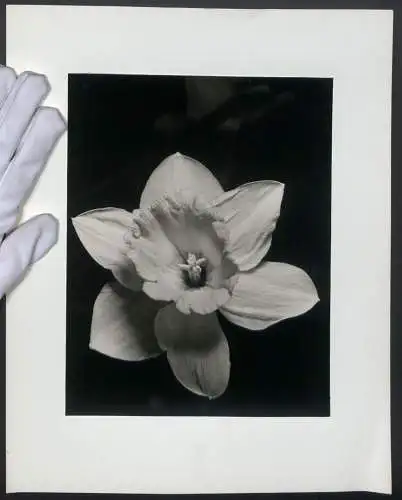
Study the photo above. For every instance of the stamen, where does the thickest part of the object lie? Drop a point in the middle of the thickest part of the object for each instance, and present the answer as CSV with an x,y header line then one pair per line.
x,y
194,270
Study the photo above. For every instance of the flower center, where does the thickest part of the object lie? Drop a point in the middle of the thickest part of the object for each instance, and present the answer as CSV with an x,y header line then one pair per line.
x,y
194,271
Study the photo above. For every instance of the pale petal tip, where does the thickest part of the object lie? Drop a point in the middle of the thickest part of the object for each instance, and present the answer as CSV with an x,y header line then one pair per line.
x,y
77,222
315,297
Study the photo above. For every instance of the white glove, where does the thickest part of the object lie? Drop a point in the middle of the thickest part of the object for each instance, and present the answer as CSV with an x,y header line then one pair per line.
x,y
28,134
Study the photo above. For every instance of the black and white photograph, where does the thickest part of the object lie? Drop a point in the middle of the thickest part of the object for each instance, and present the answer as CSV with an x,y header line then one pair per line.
x,y
216,285
198,249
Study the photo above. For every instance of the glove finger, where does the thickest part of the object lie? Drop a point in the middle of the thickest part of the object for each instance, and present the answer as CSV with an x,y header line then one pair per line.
x,y
7,80
24,246
36,145
21,103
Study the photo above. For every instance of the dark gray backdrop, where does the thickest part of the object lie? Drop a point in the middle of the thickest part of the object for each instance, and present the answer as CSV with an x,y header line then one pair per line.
x,y
396,284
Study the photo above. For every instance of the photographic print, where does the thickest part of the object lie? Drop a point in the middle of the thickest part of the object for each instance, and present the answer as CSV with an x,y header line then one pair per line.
x,y
216,295
198,250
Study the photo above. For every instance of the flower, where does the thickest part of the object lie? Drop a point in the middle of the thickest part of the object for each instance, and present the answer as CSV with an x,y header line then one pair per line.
x,y
189,250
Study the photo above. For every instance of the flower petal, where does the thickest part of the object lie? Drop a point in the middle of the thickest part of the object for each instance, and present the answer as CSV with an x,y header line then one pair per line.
x,y
127,275
204,300
269,294
179,173
191,228
169,285
123,324
224,275
250,212
148,246
101,232
197,350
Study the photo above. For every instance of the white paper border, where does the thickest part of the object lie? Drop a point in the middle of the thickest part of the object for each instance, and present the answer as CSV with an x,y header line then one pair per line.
x,y
47,451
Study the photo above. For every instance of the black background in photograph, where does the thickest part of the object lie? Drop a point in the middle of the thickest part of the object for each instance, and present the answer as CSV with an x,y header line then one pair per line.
x,y
120,129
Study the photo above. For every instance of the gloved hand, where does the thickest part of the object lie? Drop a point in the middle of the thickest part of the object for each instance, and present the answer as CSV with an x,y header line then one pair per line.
x,y
28,134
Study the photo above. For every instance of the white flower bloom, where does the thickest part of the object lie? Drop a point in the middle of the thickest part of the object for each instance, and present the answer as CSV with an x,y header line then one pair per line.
x,y
188,251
